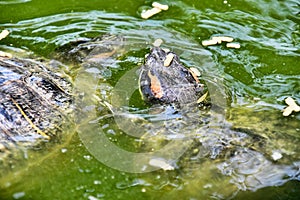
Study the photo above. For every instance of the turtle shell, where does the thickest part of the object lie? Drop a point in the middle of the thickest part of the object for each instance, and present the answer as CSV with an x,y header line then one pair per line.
x,y
33,104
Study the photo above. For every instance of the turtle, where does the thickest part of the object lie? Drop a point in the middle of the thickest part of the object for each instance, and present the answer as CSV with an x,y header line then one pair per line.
x,y
37,99
239,149
163,79
34,104
86,50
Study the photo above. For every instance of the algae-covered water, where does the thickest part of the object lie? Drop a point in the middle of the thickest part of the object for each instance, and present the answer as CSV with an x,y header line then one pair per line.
x,y
244,147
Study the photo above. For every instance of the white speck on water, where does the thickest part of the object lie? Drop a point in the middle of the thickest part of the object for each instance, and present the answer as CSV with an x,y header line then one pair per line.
x,y
143,190
92,197
105,126
233,45
97,182
208,185
276,155
89,190
80,170
149,13
209,42
64,150
87,157
160,6
111,131
99,195
221,39
292,106
81,187
18,195
4,34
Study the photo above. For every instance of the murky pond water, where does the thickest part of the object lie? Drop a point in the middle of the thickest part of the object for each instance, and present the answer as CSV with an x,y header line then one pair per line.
x,y
242,148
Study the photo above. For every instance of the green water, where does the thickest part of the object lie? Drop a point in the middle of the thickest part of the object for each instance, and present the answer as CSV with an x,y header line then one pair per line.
x,y
255,78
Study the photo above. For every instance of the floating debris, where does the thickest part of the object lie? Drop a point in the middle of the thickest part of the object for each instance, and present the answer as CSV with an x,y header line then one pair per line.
x,y
208,185
92,198
149,13
219,39
97,182
18,195
4,34
292,106
160,6
64,150
209,42
276,155
233,45
157,8
168,59
157,42
87,157
156,162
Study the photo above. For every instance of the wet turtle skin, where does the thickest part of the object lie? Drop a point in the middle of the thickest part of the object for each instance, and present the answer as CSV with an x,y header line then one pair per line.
x,y
167,83
33,103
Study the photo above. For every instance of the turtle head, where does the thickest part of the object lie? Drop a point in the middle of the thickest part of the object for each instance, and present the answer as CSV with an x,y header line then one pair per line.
x,y
165,80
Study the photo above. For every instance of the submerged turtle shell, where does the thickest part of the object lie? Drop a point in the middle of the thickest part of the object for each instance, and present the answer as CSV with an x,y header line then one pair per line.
x,y
36,102
33,104
90,50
